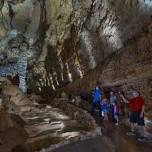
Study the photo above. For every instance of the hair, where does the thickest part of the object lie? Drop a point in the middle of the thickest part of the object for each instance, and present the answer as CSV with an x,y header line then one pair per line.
x,y
137,92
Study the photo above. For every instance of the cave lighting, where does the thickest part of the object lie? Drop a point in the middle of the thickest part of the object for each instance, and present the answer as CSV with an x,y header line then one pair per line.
x,y
56,79
113,37
70,77
39,89
52,82
86,37
68,71
62,67
148,2
78,67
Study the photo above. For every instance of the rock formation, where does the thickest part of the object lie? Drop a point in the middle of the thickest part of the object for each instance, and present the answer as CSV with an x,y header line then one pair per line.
x,y
60,49
73,44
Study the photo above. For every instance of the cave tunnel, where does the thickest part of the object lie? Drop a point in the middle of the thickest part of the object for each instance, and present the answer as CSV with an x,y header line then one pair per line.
x,y
75,75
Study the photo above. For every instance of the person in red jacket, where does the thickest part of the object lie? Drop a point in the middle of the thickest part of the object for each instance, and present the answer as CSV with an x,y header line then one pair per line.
x,y
137,111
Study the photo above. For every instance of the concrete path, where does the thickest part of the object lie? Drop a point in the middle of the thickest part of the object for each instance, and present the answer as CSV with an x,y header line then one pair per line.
x,y
114,139
47,125
98,144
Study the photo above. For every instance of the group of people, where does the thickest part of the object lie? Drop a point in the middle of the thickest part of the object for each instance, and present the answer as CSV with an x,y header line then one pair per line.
x,y
101,102
109,105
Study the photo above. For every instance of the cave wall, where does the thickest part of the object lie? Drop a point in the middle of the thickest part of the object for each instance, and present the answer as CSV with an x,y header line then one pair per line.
x,y
73,43
82,35
107,41
22,33
128,69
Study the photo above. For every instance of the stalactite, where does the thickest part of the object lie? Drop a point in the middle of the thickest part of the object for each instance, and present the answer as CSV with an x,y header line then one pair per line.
x,y
43,26
1,4
11,14
4,21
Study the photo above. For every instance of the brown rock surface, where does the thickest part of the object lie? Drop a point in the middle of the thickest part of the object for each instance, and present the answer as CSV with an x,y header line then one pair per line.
x,y
5,120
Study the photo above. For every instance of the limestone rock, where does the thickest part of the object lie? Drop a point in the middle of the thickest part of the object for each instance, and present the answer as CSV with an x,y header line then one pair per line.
x,y
5,119
64,95
77,113
35,98
78,101
80,42
11,90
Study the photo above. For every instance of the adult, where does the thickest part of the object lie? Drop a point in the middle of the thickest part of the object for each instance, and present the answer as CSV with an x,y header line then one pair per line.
x,y
112,104
137,112
96,98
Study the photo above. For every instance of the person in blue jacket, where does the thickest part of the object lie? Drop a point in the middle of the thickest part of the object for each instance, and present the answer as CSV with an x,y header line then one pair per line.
x,y
96,98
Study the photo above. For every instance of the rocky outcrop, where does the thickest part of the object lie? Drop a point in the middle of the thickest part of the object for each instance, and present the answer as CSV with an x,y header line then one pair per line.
x,y
77,113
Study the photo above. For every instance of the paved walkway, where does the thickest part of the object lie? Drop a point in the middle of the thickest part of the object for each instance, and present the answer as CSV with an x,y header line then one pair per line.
x,y
113,140
49,125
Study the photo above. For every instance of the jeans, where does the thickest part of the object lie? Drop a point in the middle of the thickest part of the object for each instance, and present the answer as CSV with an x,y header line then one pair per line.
x,y
96,105
112,112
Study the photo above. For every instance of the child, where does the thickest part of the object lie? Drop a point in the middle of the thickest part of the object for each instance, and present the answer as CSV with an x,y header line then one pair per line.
x,y
104,107
116,113
113,99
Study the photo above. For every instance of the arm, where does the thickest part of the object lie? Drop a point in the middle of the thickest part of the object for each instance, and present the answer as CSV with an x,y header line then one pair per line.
x,y
124,99
142,111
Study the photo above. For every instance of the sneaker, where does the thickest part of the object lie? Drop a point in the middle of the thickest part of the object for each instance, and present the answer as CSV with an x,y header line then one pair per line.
x,y
130,133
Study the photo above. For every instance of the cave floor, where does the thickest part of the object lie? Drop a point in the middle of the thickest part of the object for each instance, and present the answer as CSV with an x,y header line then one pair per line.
x,y
114,139
41,121
46,126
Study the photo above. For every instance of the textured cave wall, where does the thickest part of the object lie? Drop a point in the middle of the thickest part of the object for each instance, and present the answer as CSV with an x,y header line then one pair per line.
x,y
68,38
22,22
82,34
75,43
22,15
128,69
88,41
